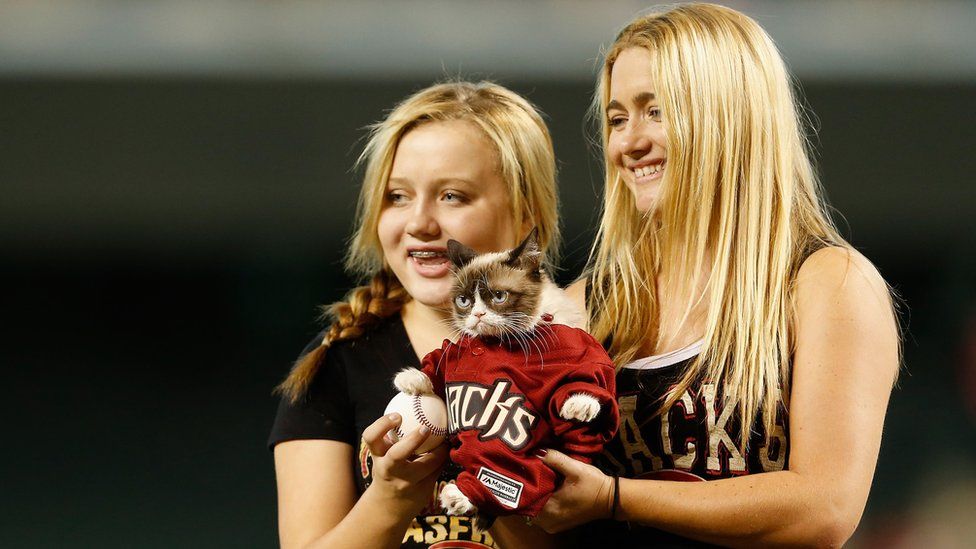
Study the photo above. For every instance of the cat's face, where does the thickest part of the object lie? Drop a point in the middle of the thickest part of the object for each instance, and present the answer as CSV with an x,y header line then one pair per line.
x,y
496,294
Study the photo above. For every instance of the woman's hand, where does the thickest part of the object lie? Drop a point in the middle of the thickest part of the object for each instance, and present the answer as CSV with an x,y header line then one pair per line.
x,y
399,477
586,494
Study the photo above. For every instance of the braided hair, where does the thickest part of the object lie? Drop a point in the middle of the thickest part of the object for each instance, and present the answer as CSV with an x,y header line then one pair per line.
x,y
362,309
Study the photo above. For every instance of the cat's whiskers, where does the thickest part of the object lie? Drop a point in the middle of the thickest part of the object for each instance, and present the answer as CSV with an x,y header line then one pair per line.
x,y
547,334
520,337
525,352
530,330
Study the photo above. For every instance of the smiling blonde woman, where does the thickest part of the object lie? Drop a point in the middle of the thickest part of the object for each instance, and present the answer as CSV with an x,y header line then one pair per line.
x,y
472,162
727,298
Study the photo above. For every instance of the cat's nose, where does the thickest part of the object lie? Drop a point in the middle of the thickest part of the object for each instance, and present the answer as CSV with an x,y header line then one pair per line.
x,y
479,314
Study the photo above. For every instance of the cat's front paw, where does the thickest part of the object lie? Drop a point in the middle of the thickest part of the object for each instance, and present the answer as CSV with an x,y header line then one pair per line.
x,y
413,382
580,407
456,503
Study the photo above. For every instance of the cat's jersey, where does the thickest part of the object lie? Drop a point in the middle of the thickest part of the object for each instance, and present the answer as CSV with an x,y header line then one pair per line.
x,y
503,401
349,392
694,439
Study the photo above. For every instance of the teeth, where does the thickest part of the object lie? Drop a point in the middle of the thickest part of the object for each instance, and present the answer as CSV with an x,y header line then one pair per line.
x,y
425,254
649,170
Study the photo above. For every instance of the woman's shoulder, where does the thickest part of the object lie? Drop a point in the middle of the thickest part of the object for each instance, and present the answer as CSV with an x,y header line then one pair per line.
x,y
841,272
840,293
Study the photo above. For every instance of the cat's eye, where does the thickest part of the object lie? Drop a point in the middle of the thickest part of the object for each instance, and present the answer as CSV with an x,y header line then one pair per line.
x,y
462,301
499,296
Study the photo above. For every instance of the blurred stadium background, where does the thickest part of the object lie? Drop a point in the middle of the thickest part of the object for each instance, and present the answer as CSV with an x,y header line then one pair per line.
x,y
177,191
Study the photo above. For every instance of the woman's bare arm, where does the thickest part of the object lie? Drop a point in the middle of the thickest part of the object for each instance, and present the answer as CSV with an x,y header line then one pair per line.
x,y
317,504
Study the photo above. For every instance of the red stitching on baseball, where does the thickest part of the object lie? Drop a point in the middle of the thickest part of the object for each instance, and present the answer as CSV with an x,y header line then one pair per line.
x,y
418,412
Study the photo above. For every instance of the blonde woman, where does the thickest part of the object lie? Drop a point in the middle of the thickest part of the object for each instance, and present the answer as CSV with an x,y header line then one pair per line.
x,y
727,298
472,162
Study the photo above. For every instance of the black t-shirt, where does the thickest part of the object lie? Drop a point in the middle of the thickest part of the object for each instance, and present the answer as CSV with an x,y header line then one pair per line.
x,y
350,391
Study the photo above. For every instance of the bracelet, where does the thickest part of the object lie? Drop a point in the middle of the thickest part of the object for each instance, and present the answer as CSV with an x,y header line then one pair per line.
x,y
616,497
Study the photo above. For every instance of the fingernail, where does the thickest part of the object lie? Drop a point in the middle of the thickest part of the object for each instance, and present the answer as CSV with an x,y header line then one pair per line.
x,y
424,430
541,453
394,416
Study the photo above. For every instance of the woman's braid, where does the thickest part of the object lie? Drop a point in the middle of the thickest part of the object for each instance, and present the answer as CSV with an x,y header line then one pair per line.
x,y
362,310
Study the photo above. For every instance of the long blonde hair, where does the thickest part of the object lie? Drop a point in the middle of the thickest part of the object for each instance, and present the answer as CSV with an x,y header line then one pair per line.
x,y
740,201
527,164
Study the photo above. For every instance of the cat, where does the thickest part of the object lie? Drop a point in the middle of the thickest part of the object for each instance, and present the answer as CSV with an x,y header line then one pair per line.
x,y
502,301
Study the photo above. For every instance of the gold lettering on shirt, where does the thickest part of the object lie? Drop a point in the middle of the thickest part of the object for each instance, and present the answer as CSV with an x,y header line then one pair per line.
x,y
479,535
458,525
439,532
414,533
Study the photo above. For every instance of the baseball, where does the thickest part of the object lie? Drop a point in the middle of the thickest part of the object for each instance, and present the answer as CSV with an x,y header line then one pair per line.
x,y
417,411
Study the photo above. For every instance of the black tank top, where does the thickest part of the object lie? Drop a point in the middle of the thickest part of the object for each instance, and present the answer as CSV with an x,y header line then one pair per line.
x,y
695,439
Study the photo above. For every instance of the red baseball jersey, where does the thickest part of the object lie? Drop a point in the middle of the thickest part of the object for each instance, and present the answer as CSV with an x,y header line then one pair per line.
x,y
503,403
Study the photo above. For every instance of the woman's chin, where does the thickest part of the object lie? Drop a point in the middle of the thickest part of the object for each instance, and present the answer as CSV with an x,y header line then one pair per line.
x,y
646,203
430,293
646,195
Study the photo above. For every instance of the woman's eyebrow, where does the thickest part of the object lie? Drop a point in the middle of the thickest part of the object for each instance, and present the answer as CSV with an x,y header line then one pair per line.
x,y
640,99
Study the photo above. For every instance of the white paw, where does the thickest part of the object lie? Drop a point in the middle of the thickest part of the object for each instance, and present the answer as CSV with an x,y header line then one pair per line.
x,y
581,407
456,503
413,382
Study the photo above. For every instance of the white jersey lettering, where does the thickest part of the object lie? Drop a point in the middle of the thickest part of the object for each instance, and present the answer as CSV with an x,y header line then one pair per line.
x,y
630,437
681,460
492,411
717,435
777,443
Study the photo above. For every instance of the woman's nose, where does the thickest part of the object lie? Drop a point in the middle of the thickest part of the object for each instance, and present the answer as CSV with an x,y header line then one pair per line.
x,y
423,223
635,142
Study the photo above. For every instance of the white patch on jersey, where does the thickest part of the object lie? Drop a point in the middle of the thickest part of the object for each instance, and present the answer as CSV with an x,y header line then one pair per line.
x,y
507,491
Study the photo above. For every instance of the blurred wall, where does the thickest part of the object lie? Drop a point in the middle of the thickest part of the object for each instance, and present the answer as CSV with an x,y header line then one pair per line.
x,y
166,236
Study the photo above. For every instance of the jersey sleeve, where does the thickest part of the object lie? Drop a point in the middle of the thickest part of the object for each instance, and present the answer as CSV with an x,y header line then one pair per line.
x,y
324,412
582,440
432,365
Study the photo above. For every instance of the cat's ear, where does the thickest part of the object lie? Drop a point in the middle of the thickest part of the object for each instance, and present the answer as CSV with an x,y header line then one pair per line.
x,y
459,254
527,255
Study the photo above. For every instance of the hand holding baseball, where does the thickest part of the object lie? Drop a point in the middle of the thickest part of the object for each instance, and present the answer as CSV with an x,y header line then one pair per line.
x,y
401,476
416,411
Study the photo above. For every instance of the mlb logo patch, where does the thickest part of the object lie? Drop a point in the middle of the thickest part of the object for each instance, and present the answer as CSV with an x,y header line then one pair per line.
x,y
507,491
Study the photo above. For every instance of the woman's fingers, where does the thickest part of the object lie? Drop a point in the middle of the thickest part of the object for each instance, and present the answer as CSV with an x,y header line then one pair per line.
x,y
561,463
431,462
407,446
375,435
